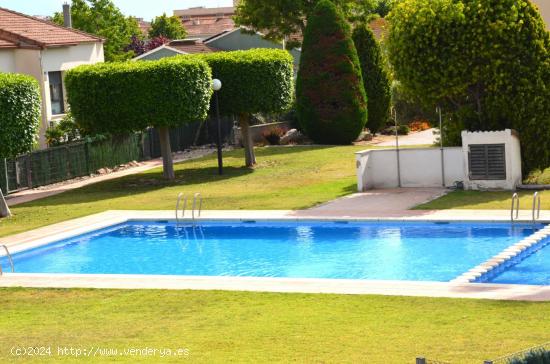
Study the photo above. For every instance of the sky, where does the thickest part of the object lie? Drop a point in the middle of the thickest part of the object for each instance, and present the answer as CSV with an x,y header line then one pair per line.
x,y
146,9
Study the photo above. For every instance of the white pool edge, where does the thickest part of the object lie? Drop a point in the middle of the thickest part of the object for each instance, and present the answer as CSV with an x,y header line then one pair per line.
x,y
53,233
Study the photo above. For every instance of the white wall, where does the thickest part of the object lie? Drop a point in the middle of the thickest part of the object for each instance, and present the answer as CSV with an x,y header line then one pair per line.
x,y
419,167
7,62
544,8
65,58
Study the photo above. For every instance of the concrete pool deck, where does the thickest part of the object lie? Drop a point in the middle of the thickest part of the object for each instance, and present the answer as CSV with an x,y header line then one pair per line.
x,y
49,234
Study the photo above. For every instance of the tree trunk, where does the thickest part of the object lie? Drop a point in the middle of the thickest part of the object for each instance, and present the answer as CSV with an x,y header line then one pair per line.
x,y
166,152
250,158
4,209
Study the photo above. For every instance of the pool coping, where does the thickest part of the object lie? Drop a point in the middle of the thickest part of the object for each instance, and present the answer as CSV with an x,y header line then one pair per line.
x,y
64,230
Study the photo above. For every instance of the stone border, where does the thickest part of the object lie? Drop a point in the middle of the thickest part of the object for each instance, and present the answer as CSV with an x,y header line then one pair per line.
x,y
507,258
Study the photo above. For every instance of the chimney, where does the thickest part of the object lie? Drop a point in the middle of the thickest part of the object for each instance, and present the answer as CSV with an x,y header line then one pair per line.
x,y
67,20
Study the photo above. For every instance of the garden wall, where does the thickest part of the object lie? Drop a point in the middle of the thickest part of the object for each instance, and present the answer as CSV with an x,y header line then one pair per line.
x,y
419,167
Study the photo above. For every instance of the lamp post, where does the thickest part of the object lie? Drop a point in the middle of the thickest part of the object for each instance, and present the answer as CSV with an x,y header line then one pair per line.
x,y
217,86
393,113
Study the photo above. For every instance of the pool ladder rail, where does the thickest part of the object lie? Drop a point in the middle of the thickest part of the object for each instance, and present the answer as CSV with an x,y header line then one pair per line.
x,y
9,258
514,210
195,213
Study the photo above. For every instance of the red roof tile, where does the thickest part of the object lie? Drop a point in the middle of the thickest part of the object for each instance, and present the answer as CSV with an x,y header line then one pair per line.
x,y
24,30
202,11
7,44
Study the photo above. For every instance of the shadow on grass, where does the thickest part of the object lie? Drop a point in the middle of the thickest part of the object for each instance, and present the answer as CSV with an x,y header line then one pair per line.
x,y
139,184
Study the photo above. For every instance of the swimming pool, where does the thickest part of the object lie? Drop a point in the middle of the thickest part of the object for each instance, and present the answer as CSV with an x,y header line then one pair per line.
x,y
414,251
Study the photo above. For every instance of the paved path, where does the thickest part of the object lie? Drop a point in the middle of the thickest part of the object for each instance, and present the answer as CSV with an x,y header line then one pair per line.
x,y
425,137
55,189
395,202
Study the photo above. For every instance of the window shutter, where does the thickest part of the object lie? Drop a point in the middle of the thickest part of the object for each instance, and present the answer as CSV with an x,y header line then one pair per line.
x,y
487,162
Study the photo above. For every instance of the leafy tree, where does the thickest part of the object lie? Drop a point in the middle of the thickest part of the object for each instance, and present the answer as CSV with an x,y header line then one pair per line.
x,y
331,100
104,19
19,119
156,42
253,81
487,63
167,26
137,45
122,97
383,7
375,78
281,19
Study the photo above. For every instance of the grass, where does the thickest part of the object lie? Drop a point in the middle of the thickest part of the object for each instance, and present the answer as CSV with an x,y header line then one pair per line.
x,y
477,200
268,327
285,178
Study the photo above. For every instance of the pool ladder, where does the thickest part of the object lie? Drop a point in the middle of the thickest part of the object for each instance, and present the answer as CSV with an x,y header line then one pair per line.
x,y
194,211
9,258
514,210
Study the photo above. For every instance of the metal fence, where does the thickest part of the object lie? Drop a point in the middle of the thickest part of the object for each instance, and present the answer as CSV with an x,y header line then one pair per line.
x,y
65,162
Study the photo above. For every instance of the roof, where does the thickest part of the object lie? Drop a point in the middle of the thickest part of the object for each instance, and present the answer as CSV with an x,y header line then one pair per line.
x,y
202,11
26,31
208,26
185,46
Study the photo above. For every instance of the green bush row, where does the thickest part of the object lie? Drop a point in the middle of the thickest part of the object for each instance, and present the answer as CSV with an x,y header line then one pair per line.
x,y
129,96
19,113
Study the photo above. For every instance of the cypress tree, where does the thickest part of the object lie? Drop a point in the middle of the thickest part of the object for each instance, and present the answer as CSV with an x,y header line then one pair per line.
x,y
375,77
331,99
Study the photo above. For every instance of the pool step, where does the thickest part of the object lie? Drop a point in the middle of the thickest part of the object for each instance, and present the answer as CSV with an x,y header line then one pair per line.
x,y
508,257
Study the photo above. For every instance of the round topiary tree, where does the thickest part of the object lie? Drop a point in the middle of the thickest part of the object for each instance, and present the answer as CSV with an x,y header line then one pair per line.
x,y
375,77
19,118
253,81
125,97
331,100
487,63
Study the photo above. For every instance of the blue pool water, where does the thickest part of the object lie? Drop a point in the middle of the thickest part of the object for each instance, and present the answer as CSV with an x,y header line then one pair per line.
x,y
535,270
363,250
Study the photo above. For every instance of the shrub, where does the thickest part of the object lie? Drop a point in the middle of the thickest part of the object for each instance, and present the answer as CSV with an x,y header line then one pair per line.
x,y
19,115
131,96
65,131
273,135
419,125
332,105
253,81
540,356
375,77
403,130
484,62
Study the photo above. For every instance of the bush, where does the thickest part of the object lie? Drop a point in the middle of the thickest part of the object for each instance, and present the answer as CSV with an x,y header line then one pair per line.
x,y
131,96
273,135
253,81
122,97
375,77
332,105
66,131
485,62
19,113
533,357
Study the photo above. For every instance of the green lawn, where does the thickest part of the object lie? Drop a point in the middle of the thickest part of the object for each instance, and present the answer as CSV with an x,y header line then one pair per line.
x,y
485,201
264,327
285,178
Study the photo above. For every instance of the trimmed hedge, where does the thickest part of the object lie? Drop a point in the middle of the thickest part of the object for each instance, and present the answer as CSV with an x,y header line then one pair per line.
x,y
375,77
130,96
253,81
19,113
331,99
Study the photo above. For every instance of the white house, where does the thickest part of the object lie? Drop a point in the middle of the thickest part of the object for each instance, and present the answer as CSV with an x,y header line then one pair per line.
x,y
45,51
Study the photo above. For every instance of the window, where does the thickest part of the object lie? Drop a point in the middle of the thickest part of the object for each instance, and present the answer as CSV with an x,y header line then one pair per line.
x,y
487,162
56,92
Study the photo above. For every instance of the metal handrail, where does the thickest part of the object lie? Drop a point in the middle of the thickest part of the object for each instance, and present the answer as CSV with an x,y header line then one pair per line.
x,y
515,198
536,207
197,195
178,207
9,258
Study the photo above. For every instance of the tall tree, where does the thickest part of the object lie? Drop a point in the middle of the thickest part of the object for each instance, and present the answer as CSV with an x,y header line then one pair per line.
x,y
167,26
19,119
279,20
104,19
331,100
375,77
487,64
